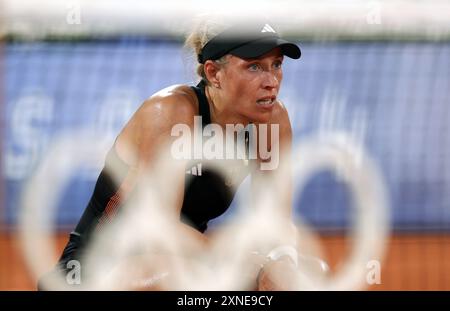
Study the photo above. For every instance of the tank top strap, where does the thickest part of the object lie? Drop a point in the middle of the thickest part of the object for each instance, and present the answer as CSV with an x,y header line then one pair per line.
x,y
203,106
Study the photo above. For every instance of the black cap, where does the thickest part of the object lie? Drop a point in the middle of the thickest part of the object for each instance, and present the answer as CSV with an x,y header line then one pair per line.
x,y
247,42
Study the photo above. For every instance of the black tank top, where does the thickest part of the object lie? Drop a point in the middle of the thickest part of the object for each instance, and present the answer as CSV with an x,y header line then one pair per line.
x,y
207,194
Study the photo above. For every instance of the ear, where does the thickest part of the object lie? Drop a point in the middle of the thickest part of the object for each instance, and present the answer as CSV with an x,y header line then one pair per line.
x,y
211,71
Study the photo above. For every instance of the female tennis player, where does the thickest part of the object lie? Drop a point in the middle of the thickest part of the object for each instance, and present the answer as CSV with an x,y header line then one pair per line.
x,y
241,76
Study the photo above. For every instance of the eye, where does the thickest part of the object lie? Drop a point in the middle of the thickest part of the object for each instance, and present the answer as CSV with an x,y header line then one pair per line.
x,y
254,67
277,64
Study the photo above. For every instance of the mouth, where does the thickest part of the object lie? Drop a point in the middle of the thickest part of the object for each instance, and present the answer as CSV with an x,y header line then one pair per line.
x,y
266,102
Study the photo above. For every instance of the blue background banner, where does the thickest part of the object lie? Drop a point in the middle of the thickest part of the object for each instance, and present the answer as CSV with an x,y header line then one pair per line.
x,y
391,98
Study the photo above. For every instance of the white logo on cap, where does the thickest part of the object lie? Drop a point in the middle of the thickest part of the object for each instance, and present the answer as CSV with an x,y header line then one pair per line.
x,y
267,28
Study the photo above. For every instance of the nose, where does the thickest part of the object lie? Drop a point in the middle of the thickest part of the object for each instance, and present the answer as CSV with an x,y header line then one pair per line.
x,y
270,81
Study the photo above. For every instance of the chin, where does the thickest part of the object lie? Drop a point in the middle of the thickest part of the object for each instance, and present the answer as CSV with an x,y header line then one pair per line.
x,y
262,117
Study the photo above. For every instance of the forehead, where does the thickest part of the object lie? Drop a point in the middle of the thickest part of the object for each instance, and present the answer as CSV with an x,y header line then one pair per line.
x,y
271,55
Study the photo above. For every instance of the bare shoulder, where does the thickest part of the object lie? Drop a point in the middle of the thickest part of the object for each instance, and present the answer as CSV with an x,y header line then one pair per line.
x,y
174,104
280,116
154,120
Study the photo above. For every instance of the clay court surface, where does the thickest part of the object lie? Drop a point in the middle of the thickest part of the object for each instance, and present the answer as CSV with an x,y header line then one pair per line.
x,y
412,262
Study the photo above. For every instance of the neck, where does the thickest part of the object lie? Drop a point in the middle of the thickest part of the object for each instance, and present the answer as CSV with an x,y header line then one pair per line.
x,y
219,112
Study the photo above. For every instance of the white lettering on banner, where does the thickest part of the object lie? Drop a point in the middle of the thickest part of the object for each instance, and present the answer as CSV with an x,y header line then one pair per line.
x,y
28,134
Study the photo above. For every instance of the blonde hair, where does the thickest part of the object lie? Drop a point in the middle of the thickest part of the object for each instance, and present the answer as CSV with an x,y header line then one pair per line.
x,y
206,28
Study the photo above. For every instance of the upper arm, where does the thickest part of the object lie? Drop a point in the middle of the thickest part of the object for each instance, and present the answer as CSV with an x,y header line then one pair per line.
x,y
281,146
157,117
278,135
281,117
155,120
